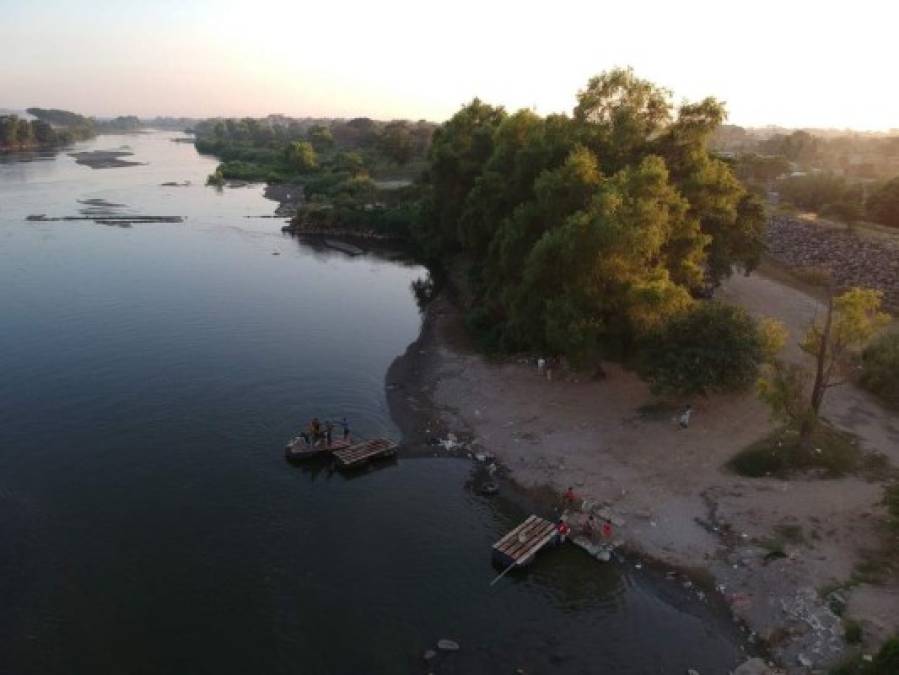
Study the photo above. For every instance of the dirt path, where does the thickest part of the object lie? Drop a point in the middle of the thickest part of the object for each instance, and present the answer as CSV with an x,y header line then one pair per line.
x,y
847,406
666,486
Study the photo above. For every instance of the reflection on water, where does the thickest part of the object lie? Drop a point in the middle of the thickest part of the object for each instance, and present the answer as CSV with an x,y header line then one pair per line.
x,y
148,520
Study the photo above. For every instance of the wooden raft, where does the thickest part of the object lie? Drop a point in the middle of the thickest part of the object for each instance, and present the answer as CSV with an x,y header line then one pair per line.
x,y
360,453
519,546
299,449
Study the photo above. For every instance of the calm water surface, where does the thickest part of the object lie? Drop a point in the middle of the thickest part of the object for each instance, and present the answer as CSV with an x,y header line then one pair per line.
x,y
149,377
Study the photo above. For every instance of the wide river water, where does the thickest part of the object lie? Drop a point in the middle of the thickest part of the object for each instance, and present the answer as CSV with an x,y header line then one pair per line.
x,y
149,377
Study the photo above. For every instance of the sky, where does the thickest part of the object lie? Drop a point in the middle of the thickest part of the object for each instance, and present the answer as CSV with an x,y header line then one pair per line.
x,y
793,63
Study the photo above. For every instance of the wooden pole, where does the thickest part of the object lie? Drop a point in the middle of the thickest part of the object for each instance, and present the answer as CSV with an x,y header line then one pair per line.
x,y
503,573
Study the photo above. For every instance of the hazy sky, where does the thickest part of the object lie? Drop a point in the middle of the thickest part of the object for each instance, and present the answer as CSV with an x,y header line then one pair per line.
x,y
789,62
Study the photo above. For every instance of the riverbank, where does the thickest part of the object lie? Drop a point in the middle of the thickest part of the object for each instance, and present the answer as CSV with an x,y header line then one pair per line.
x,y
773,548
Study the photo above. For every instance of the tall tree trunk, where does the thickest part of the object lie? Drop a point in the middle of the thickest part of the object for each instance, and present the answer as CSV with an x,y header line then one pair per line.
x,y
807,428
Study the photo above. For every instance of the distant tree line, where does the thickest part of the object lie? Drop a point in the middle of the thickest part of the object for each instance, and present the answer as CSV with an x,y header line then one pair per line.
x,y
280,149
849,177
50,128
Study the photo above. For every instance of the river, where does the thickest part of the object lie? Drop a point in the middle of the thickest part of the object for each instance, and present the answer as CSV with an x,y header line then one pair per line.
x,y
149,377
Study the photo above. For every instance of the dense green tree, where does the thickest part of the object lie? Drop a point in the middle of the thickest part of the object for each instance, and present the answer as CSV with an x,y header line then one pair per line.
x,y
459,150
880,368
732,219
9,130
351,163
712,348
320,137
814,191
761,168
605,274
301,156
585,232
43,133
799,146
619,114
883,203
397,142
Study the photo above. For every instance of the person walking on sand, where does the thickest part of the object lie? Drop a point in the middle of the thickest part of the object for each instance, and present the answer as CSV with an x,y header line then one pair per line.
x,y
541,366
684,420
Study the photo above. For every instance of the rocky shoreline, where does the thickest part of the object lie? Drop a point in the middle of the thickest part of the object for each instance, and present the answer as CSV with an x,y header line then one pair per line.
x,y
852,258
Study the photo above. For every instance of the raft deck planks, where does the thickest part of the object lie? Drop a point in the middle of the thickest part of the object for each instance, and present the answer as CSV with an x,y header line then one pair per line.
x,y
298,449
521,544
360,453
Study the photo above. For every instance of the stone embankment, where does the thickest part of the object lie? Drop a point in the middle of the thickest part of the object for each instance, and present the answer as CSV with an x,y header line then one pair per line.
x,y
852,258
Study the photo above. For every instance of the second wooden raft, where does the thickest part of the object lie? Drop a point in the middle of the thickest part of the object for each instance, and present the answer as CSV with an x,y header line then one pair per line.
x,y
519,546
360,453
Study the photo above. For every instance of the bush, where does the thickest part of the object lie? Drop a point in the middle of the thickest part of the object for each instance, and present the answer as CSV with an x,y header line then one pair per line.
x,y
780,456
891,500
712,348
886,662
883,204
852,631
880,368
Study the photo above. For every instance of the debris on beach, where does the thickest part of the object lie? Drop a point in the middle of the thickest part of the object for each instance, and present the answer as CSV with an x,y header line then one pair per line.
x,y
448,645
451,442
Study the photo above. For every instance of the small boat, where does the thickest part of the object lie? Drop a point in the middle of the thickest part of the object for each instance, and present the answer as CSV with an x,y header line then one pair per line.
x,y
298,449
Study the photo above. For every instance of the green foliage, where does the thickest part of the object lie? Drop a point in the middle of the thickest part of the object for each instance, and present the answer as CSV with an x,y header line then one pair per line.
x,y
885,662
761,168
852,631
397,142
824,192
833,455
217,178
850,321
712,348
459,150
799,146
320,137
784,387
52,128
301,156
891,500
880,368
593,230
883,203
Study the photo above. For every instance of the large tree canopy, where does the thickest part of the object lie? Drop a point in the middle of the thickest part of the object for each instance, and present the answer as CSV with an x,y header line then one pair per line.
x,y
588,231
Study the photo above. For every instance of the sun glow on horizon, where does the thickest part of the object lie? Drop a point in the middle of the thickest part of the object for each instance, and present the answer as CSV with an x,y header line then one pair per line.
x,y
799,64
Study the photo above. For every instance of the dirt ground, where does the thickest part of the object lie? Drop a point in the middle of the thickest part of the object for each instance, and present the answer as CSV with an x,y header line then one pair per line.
x,y
665,485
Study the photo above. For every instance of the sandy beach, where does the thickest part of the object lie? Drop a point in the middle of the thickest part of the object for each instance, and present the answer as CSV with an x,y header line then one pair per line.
x,y
667,488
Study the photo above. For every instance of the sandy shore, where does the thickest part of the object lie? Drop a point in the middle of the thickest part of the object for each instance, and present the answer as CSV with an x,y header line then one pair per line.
x,y
666,486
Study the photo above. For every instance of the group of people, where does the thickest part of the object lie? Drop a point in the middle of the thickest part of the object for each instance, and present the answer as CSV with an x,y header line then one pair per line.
x,y
588,527
317,433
